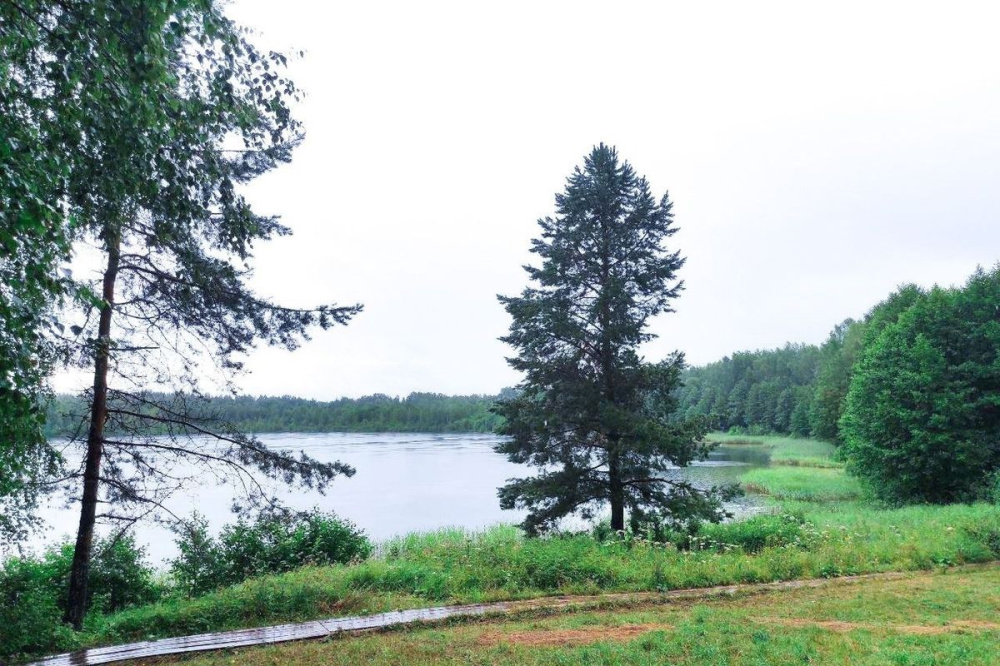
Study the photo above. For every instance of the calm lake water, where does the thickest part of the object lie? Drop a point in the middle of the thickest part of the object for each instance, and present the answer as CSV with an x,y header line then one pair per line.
x,y
404,483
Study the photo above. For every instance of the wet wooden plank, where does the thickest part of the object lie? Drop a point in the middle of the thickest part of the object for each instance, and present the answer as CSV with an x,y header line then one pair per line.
x,y
265,635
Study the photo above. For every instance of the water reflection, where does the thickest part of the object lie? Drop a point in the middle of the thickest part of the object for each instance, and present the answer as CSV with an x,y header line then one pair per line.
x,y
750,455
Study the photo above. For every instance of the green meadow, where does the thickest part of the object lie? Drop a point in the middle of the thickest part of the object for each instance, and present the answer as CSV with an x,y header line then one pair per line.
x,y
815,522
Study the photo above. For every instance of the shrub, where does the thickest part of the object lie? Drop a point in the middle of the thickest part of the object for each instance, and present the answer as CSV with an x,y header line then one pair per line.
x,y
277,541
921,420
750,535
985,533
33,592
120,576
199,568
30,613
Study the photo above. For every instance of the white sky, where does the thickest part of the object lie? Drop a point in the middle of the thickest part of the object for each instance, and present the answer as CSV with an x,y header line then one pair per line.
x,y
818,155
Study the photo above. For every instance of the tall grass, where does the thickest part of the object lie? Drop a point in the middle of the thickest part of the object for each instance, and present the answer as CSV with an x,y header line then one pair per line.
x,y
817,525
803,484
456,566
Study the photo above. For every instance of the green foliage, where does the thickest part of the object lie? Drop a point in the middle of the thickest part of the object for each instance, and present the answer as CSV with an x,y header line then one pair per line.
x,y
417,412
164,110
275,542
753,534
30,612
799,390
132,127
200,567
454,566
922,420
32,601
810,484
750,535
34,239
26,459
755,393
120,575
837,357
590,413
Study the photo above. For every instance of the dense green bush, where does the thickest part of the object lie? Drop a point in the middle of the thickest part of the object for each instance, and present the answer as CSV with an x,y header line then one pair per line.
x,y
120,576
30,592
922,420
33,592
199,567
276,542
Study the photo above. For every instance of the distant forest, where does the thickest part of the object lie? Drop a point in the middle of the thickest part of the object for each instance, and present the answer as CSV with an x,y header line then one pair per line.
x,y
798,389
417,412
758,392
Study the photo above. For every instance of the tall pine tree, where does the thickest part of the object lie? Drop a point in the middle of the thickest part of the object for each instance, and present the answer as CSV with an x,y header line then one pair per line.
x,y
590,413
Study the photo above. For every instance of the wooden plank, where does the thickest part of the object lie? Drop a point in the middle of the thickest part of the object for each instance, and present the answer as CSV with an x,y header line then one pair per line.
x,y
264,635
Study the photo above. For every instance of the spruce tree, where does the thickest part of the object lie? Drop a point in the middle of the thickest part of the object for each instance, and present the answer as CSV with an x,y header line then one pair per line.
x,y
590,413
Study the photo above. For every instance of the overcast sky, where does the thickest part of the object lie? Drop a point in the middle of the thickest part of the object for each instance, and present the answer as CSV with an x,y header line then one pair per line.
x,y
818,155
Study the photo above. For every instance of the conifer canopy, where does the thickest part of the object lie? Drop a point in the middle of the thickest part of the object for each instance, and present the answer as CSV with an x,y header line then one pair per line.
x,y
590,412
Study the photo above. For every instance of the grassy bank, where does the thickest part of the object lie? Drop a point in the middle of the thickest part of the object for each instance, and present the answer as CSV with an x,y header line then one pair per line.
x,y
948,618
802,470
817,524
803,484
788,451
455,567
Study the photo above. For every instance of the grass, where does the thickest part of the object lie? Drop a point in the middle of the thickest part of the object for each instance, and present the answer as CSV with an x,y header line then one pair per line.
x,y
817,525
457,567
803,484
801,469
940,618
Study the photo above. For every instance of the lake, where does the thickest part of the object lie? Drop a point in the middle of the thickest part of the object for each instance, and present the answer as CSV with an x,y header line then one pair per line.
x,y
404,483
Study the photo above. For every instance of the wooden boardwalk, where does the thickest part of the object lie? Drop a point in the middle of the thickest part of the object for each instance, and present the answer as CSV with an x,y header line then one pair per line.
x,y
264,635
322,628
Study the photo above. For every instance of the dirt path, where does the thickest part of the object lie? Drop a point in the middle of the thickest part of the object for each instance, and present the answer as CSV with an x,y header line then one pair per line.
x,y
323,628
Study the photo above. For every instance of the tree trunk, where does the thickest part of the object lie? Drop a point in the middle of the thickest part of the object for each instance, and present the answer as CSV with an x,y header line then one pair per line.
x,y
76,606
616,489
617,494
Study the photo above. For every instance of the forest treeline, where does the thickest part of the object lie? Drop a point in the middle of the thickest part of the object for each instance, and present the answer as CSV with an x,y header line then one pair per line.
x,y
797,389
911,392
417,412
